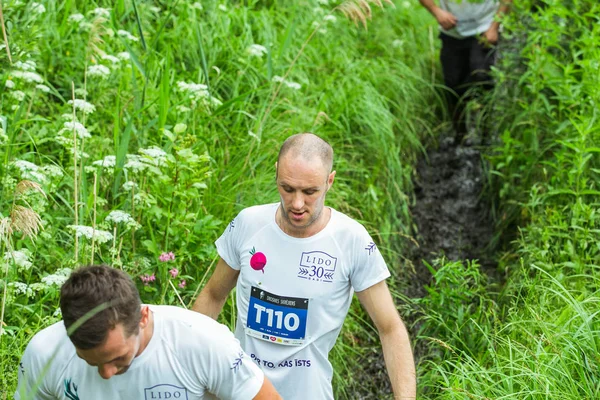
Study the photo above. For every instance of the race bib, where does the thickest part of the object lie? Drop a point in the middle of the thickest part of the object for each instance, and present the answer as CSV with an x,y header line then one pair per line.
x,y
277,319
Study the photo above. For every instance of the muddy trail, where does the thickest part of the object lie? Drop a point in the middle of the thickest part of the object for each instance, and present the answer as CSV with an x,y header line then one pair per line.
x,y
452,219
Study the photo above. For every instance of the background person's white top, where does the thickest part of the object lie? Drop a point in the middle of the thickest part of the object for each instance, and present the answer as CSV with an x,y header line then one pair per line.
x,y
290,343
473,18
188,356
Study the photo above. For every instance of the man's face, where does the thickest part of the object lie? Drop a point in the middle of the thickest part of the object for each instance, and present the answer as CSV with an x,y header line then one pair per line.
x,y
302,186
115,355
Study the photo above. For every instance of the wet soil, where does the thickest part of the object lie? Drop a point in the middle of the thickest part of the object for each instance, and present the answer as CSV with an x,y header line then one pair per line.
x,y
452,218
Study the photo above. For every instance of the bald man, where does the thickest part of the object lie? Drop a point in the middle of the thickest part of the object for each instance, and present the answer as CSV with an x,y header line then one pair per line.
x,y
295,265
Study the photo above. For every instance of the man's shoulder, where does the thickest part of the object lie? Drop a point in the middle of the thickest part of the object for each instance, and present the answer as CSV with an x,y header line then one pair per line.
x,y
50,345
181,326
345,223
264,211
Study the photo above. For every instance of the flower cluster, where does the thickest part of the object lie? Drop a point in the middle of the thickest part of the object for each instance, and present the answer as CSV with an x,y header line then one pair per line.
x,y
148,278
89,232
58,278
165,257
84,106
100,71
198,92
121,217
290,84
256,50
20,258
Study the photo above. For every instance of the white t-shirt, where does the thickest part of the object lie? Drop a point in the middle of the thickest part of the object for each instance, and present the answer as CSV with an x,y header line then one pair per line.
x,y
188,357
474,17
293,294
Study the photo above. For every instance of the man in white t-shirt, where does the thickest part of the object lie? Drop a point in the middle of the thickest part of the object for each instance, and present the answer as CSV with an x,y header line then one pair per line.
x,y
469,32
295,265
120,349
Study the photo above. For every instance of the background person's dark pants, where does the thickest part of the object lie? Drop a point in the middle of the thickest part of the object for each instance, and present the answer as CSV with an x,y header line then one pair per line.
x,y
465,63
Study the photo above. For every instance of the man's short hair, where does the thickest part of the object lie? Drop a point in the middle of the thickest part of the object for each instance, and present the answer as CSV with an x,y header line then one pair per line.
x,y
99,286
307,146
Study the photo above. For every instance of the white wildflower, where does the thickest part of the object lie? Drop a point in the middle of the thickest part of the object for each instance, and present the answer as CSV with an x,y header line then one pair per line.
x,y
323,2
53,171
121,217
197,6
256,50
84,106
135,163
28,65
71,126
179,128
27,76
76,18
124,56
20,258
215,102
129,186
57,313
81,92
68,117
154,152
38,8
89,232
114,60
30,171
330,18
183,109
290,84
127,35
58,278
43,88
101,12
194,89
9,84
398,43
155,9
222,7
106,162
98,70
22,288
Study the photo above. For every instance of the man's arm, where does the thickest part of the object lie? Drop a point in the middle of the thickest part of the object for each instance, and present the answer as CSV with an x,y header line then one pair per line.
x,y
267,392
212,297
446,19
397,352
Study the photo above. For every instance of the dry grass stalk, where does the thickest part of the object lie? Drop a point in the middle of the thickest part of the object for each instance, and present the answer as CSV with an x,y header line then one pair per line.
x,y
75,189
359,10
4,33
94,221
25,220
95,40
25,186
6,231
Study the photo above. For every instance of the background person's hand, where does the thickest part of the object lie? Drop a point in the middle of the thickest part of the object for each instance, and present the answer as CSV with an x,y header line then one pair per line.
x,y
491,35
446,19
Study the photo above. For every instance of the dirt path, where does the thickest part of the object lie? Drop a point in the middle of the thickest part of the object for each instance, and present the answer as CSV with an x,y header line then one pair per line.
x,y
452,219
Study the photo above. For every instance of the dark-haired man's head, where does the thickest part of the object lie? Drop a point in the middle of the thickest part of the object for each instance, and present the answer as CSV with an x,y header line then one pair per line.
x,y
102,307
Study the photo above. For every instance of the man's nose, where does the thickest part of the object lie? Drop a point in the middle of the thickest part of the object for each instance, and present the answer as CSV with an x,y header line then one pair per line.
x,y
106,371
298,201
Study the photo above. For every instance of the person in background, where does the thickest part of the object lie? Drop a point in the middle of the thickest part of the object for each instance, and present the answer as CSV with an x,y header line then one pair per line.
x,y
469,31
110,346
295,265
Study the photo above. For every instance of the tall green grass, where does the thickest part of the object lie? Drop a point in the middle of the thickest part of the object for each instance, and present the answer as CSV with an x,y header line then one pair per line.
x,y
369,92
539,340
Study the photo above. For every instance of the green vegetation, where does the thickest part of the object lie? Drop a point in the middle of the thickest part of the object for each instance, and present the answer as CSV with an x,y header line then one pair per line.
x,y
175,128
538,337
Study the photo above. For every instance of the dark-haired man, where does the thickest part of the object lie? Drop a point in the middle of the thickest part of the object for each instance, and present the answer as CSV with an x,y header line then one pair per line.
x,y
296,264
121,349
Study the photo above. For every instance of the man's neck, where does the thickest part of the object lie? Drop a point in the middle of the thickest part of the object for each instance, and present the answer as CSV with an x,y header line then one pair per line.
x,y
147,332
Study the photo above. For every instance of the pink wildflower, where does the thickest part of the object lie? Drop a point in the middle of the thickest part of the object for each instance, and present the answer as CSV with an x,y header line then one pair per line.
x,y
182,284
148,278
174,272
164,257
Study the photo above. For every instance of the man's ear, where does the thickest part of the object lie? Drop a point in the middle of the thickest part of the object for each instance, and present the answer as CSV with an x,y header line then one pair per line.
x,y
145,317
330,179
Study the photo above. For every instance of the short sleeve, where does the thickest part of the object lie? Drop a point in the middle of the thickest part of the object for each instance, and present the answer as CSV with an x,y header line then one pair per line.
x,y
227,243
369,267
225,369
33,370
